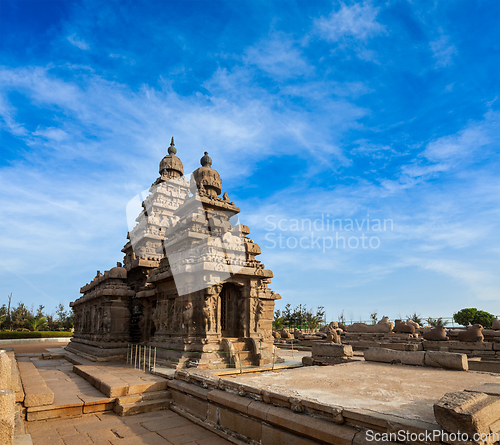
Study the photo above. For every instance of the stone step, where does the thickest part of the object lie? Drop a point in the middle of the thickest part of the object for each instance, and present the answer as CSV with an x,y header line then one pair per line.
x,y
112,385
37,393
244,355
147,396
144,406
239,345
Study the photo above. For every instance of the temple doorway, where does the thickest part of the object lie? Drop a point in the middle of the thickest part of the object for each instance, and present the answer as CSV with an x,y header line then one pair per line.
x,y
229,296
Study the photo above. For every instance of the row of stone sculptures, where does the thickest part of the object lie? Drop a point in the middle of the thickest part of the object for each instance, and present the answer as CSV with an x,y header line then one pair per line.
x,y
439,333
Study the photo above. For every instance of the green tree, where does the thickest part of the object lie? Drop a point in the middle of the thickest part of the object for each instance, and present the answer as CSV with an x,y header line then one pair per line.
x,y
61,313
19,315
483,318
36,323
472,315
465,317
287,314
278,323
373,317
39,311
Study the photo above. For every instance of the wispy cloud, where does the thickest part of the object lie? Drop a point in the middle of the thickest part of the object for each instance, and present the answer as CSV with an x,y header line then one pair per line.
x,y
443,51
278,56
358,21
79,43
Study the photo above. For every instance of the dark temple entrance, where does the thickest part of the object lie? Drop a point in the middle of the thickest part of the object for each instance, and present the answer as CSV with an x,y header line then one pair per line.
x,y
229,296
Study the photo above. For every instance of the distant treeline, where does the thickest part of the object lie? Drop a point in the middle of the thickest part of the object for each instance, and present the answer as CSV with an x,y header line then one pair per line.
x,y
20,318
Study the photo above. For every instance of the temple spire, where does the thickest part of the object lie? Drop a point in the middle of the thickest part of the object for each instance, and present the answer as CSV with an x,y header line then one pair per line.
x,y
206,161
172,150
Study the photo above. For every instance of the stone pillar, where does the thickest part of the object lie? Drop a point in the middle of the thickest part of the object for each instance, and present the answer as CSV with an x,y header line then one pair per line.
x,y
7,405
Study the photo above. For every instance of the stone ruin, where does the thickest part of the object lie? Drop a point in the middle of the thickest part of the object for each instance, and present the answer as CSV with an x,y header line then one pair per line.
x,y
190,284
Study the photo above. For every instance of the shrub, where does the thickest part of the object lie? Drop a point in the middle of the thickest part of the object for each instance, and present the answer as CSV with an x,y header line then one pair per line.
x,y
33,334
471,315
484,318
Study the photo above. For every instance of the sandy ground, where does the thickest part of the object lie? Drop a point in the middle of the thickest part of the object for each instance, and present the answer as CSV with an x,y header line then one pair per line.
x,y
403,391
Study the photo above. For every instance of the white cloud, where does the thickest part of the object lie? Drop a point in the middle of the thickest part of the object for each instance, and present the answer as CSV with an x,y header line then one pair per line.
x,y
357,21
481,283
278,56
443,51
79,43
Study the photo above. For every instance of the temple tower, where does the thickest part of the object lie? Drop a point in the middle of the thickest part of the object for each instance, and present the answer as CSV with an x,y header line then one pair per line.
x,y
190,285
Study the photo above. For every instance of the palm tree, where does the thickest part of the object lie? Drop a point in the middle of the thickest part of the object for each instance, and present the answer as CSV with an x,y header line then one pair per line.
x,y
278,323
36,323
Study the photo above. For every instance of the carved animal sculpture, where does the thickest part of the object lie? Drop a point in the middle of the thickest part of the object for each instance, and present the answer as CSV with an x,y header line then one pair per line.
x,y
473,334
410,322
381,326
436,334
285,334
357,327
495,324
342,326
276,334
297,334
403,328
333,337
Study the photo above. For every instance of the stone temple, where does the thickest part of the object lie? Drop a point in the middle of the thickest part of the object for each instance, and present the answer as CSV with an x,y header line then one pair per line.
x,y
190,284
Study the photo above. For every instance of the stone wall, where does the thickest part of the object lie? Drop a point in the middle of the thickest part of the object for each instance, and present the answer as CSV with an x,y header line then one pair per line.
x,y
7,401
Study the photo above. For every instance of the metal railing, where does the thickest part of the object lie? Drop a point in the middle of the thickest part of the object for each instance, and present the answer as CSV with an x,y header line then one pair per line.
x,y
146,358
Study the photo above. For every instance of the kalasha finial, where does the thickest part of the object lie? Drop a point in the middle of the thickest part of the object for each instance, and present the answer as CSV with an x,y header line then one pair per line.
x,y
172,150
206,161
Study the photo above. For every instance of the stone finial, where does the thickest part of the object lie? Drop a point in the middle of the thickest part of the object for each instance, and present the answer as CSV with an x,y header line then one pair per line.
x,y
206,161
172,150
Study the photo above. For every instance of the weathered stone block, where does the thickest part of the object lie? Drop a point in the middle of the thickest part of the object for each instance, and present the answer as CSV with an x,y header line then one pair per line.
x,y
307,361
275,436
242,425
447,360
316,429
388,356
191,404
7,415
42,413
492,389
5,370
467,412
232,401
484,366
331,350
40,398
258,410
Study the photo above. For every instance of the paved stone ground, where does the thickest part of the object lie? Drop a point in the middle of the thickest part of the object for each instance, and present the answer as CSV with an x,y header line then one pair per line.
x,y
158,428
404,391
36,348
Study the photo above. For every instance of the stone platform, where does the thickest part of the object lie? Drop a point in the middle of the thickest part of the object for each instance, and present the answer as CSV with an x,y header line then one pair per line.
x,y
405,392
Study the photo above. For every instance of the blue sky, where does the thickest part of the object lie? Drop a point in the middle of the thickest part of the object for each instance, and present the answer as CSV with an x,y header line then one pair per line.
x,y
309,110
